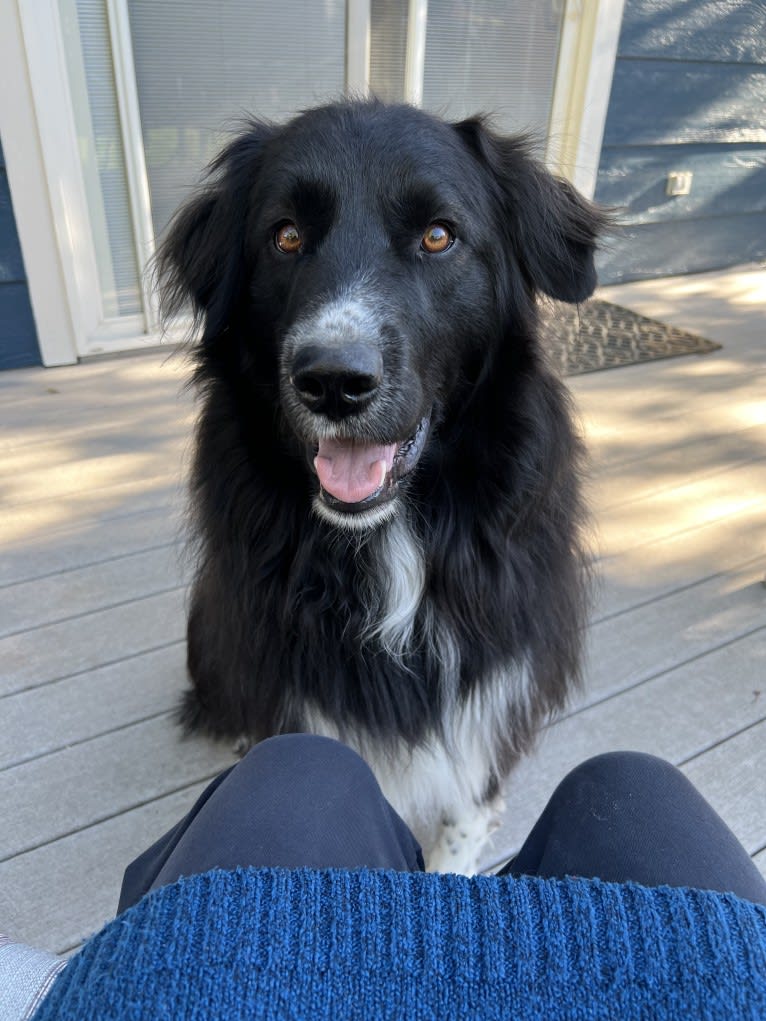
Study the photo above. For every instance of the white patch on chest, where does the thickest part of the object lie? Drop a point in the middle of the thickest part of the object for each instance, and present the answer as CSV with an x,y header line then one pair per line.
x,y
394,574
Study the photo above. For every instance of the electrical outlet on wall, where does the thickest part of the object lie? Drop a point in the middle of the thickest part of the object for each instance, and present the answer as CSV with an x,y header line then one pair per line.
x,y
679,182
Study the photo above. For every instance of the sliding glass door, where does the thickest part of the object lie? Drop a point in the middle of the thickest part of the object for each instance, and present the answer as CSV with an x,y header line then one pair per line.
x,y
158,85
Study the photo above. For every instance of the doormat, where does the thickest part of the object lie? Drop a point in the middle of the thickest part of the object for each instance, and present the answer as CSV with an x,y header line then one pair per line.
x,y
598,335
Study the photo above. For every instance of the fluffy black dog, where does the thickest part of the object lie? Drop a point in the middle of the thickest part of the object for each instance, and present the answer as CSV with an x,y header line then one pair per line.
x,y
386,482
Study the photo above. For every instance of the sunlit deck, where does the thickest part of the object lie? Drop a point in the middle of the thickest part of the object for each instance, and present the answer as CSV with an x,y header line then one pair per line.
x,y
92,593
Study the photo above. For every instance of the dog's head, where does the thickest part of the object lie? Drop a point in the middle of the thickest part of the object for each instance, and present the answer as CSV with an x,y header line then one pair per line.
x,y
360,265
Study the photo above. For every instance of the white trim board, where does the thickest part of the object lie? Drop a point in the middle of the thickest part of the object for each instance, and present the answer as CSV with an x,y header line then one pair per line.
x,y
587,55
49,78
32,205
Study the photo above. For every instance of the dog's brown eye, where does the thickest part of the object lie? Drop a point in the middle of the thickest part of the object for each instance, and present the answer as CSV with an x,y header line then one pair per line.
x,y
437,238
288,239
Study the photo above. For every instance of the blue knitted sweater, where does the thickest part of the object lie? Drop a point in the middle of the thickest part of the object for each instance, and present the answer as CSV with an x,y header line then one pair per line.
x,y
274,944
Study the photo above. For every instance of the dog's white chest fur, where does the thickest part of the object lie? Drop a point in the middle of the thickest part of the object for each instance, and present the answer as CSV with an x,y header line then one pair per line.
x,y
440,786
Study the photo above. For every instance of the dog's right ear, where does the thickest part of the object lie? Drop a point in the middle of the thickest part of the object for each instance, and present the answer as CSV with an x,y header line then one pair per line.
x,y
201,260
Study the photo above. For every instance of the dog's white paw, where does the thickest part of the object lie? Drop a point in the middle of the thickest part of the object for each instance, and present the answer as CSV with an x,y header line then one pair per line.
x,y
242,746
461,842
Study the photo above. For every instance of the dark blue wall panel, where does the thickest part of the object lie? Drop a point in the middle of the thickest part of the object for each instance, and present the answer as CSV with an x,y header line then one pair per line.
x,y
731,31
11,263
726,180
656,102
18,336
688,246
689,94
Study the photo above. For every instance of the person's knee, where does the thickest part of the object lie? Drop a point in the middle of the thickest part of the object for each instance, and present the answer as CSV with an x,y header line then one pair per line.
x,y
623,772
307,761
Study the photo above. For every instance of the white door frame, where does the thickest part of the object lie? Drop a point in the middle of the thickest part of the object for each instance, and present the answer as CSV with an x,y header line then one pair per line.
x,y
587,55
48,186
46,177
48,257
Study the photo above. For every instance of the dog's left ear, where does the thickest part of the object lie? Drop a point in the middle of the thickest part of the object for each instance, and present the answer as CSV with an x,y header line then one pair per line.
x,y
552,228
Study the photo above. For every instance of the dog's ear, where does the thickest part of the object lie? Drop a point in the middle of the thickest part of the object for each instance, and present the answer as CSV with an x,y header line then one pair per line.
x,y
200,260
552,228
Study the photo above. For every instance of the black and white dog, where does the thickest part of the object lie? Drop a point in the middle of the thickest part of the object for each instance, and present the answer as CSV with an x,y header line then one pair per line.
x,y
386,482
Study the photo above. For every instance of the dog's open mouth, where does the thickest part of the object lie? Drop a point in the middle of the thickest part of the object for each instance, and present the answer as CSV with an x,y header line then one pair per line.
x,y
355,476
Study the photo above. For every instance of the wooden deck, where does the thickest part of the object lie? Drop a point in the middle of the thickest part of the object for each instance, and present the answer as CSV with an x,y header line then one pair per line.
x,y
92,602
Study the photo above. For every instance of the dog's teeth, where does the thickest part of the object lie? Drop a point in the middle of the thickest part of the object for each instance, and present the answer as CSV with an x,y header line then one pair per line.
x,y
383,471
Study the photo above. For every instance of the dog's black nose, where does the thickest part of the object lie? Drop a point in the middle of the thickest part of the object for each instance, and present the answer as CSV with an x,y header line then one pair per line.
x,y
336,381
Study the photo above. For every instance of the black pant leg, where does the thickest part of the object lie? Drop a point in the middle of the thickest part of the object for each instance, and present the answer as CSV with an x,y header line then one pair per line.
x,y
143,870
629,816
293,801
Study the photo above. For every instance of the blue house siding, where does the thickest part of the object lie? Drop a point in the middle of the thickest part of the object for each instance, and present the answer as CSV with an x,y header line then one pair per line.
x,y
18,337
689,94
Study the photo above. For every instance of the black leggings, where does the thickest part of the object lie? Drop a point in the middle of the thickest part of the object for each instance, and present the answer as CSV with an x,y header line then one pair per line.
x,y
301,800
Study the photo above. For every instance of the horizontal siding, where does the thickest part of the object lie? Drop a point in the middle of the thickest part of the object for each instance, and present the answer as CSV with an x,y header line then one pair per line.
x,y
729,31
650,250
659,102
688,94
727,181
18,334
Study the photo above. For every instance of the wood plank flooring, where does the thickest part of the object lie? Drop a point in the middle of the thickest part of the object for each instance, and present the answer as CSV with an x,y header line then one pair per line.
x,y
92,593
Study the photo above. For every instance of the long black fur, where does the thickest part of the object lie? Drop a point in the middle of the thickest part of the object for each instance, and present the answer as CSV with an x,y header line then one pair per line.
x,y
280,600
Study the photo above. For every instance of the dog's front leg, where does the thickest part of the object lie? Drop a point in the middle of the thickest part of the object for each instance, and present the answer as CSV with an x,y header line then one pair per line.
x,y
463,838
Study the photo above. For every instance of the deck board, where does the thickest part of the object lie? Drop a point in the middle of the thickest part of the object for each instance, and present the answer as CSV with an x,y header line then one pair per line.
x,y
82,590
39,523
92,461
54,716
50,551
674,511
702,458
87,783
679,715
73,646
645,573
628,648
730,774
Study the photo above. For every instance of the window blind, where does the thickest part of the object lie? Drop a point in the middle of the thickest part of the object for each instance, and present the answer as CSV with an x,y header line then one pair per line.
x,y
497,58
89,60
481,57
202,66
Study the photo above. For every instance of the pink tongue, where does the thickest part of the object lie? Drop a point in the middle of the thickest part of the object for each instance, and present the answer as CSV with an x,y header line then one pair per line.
x,y
352,471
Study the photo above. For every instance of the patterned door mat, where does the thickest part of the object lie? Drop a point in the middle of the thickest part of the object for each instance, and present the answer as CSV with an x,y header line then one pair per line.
x,y
598,335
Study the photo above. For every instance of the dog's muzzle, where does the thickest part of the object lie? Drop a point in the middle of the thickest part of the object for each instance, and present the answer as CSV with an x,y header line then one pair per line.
x,y
338,383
